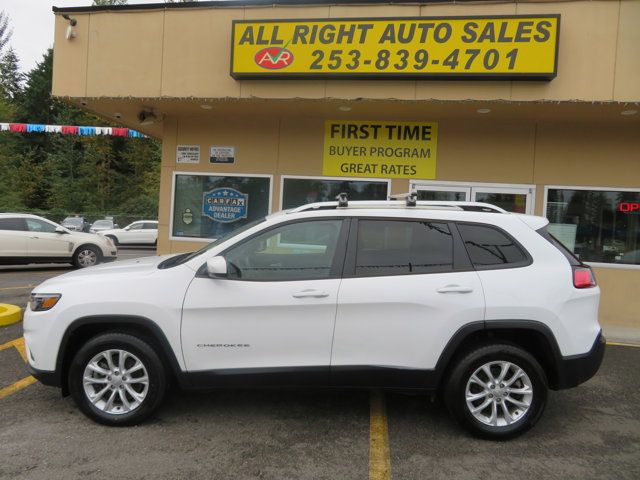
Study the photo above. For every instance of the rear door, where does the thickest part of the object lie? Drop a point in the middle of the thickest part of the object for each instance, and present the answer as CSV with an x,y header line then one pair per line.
x,y
149,233
408,287
13,237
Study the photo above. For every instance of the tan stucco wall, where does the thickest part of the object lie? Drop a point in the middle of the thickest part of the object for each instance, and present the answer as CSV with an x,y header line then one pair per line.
x,y
185,53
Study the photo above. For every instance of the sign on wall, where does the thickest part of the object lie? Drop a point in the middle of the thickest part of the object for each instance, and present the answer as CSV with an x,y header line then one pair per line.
x,y
188,154
517,46
225,205
380,149
218,154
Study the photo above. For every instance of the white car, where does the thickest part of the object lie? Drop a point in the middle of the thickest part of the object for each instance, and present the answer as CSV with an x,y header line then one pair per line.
x,y
101,226
142,232
466,299
28,239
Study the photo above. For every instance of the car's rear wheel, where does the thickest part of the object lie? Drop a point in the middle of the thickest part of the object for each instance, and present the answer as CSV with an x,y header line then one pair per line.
x,y
117,379
497,391
86,256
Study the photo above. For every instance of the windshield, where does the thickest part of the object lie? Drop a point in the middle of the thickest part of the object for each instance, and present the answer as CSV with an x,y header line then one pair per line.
x,y
103,223
185,257
73,220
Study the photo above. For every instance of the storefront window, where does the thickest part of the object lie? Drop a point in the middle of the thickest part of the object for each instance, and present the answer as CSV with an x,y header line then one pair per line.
x,y
209,206
300,191
597,225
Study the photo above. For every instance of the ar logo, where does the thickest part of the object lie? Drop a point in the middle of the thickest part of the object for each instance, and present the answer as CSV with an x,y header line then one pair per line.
x,y
274,58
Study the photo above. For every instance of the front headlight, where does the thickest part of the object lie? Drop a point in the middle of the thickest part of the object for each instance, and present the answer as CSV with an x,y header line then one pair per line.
x,y
41,302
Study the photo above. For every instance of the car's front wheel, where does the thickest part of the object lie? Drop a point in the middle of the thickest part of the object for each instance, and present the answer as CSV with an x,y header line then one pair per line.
x,y
497,391
86,256
117,379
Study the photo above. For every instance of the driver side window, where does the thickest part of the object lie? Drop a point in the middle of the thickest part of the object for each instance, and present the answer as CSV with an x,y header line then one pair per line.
x,y
35,225
296,251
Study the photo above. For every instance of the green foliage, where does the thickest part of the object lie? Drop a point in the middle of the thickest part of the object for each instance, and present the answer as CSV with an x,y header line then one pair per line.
x,y
55,175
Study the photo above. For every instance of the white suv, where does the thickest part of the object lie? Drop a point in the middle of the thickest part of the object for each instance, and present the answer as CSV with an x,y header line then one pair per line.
x,y
462,298
26,238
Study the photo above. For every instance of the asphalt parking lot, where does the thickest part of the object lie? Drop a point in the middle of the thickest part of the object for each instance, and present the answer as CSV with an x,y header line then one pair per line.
x,y
592,431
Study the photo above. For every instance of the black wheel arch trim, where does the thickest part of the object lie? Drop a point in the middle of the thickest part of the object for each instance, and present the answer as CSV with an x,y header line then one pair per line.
x,y
114,322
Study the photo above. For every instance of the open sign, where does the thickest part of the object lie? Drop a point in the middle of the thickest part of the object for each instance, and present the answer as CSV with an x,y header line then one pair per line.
x,y
629,207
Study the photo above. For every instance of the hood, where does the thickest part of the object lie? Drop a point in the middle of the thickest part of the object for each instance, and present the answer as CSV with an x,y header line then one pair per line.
x,y
139,267
86,237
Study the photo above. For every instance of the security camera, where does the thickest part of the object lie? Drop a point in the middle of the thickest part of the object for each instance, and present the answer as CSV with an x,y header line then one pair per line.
x,y
146,117
117,115
71,33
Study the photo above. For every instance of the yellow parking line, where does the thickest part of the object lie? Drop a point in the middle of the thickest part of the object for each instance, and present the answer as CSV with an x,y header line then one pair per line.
x,y
22,287
19,385
620,344
18,343
379,458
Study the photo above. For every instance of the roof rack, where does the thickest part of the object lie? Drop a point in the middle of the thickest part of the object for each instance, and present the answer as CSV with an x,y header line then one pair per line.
x,y
419,204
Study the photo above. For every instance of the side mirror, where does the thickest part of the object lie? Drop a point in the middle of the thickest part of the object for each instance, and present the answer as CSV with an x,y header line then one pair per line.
x,y
116,226
127,228
60,230
217,267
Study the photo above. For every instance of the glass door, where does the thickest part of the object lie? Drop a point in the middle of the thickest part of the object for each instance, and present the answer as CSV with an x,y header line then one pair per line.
x,y
512,199
442,193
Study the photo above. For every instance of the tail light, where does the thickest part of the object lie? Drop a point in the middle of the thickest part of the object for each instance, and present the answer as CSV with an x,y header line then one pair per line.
x,y
583,277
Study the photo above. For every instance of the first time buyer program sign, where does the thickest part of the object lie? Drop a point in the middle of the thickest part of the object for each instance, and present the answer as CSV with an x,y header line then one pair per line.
x,y
380,149
503,47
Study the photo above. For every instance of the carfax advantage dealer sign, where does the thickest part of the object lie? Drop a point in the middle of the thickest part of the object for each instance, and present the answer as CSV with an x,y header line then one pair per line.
x,y
502,47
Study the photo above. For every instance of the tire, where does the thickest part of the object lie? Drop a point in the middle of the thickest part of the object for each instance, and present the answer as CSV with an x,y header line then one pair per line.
x,y
126,399
87,256
114,239
523,409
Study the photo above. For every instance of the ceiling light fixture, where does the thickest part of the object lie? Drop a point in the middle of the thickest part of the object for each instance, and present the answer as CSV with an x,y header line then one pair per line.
x,y
483,110
344,108
204,106
628,112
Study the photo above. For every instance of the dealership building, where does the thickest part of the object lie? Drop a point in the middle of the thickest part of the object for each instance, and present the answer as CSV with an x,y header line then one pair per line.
x,y
265,105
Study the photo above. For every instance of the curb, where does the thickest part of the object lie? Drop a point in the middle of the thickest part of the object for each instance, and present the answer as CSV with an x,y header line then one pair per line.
x,y
9,314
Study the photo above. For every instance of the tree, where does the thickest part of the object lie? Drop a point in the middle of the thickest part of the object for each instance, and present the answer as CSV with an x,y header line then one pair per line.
x,y
10,76
5,31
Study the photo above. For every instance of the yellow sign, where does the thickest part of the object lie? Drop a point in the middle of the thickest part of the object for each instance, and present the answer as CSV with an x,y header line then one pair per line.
x,y
519,46
380,149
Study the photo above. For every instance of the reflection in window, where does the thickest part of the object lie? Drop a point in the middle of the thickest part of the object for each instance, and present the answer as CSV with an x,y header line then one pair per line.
x,y
272,257
487,246
596,225
192,192
300,191
403,247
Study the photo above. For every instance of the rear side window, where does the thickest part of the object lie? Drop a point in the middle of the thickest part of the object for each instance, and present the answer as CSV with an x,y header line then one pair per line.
x,y
403,247
488,247
573,260
15,224
150,226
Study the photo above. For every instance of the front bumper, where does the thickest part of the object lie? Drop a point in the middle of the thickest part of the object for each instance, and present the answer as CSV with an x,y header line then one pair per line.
x,y
51,379
577,369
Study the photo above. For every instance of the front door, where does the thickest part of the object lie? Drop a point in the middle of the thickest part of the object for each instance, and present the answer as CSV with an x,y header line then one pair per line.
x,y
275,311
517,199
403,297
44,241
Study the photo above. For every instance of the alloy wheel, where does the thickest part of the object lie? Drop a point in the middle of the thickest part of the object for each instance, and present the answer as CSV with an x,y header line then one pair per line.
x,y
116,381
499,393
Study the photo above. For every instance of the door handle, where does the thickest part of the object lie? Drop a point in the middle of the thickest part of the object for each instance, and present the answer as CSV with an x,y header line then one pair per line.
x,y
311,293
34,237
455,289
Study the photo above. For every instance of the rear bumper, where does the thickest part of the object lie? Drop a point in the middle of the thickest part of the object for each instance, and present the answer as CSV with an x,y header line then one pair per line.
x,y
577,369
